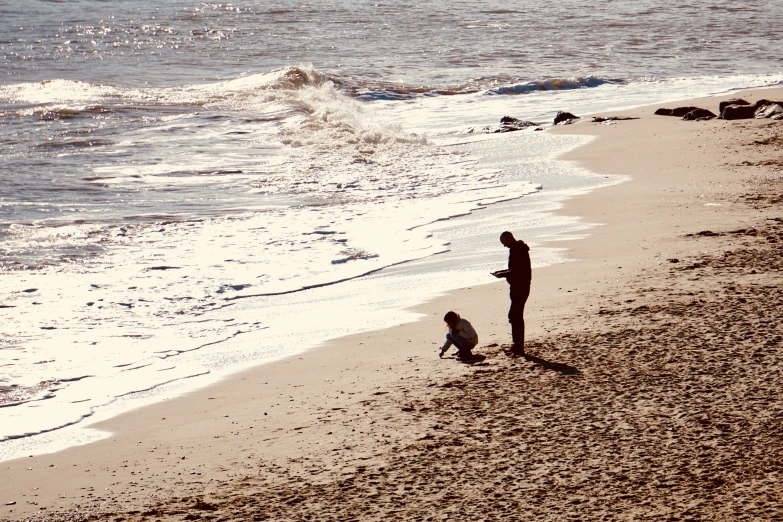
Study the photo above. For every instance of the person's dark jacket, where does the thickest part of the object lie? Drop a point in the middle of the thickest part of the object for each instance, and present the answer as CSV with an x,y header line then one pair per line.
x,y
519,266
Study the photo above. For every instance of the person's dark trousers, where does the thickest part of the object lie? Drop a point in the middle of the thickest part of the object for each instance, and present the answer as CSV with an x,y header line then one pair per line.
x,y
516,318
462,344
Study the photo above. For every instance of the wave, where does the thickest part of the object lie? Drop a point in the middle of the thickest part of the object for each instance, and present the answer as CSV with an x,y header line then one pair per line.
x,y
553,84
62,98
285,78
502,85
70,98
305,102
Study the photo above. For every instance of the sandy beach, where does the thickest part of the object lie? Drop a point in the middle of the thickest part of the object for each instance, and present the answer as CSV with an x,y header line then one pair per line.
x,y
651,393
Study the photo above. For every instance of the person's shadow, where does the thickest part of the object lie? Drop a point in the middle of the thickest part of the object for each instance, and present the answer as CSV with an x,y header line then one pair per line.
x,y
561,368
473,359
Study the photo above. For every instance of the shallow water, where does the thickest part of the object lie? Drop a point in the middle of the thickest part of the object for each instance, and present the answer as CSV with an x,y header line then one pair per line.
x,y
164,164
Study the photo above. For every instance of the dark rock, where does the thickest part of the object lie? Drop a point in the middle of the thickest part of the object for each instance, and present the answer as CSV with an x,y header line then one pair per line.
x,y
507,124
562,117
599,119
510,124
742,112
735,101
682,111
770,110
738,112
699,114
679,111
510,120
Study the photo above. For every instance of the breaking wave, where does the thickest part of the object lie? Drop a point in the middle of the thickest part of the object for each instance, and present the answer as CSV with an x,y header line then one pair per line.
x,y
553,84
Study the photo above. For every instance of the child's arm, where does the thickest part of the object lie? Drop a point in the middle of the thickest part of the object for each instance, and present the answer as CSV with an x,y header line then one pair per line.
x,y
445,348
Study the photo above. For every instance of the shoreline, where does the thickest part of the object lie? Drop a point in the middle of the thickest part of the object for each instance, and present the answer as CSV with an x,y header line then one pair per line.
x,y
341,416
375,302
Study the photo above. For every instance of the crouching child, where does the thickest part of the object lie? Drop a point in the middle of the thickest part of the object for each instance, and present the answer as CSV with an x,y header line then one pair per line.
x,y
461,334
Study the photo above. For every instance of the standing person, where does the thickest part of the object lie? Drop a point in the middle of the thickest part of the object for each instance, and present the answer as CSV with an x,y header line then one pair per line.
x,y
518,275
461,334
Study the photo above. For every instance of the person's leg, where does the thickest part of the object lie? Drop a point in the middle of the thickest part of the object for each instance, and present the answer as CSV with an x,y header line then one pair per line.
x,y
465,347
516,316
465,353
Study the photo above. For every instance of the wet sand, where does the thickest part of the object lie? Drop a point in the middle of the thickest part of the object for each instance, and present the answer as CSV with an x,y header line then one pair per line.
x,y
651,393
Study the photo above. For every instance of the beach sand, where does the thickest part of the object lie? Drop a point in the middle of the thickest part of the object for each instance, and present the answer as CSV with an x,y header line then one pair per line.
x,y
652,391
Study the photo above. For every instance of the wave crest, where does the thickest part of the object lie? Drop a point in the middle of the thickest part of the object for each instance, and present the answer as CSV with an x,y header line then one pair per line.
x,y
286,79
553,84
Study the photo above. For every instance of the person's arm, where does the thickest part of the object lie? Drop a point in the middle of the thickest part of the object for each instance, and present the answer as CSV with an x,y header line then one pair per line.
x,y
501,274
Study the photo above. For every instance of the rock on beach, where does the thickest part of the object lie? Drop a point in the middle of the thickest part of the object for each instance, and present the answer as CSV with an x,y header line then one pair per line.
x,y
564,118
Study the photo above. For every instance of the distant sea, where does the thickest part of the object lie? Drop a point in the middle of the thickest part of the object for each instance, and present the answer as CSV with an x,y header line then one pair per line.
x,y
188,189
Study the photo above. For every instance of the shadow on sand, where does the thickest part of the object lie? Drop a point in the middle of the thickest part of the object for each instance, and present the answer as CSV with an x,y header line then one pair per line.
x,y
473,359
561,368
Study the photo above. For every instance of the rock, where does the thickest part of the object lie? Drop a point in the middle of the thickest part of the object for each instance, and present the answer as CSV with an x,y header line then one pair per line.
x,y
737,112
563,117
698,115
510,124
510,120
507,124
599,119
742,112
735,101
770,110
682,111
679,111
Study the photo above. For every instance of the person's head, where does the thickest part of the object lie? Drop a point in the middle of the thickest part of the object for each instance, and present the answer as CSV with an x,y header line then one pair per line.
x,y
451,318
507,238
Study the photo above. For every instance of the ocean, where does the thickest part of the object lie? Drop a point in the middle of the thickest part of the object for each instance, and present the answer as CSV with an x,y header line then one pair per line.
x,y
190,189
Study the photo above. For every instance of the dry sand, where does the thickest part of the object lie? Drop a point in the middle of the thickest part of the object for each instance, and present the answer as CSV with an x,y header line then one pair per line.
x,y
653,392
